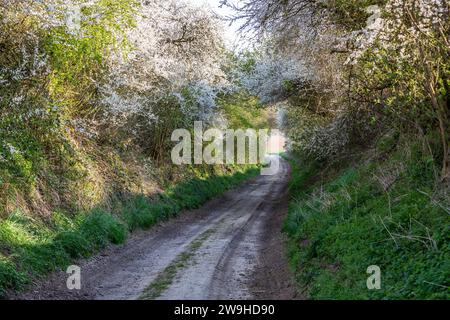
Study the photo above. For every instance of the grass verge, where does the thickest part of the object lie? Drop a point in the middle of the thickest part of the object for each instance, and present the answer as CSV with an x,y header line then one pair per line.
x,y
389,212
31,249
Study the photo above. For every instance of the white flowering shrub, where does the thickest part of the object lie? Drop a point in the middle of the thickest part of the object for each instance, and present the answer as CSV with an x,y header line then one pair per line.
x,y
77,76
175,47
91,67
383,61
270,77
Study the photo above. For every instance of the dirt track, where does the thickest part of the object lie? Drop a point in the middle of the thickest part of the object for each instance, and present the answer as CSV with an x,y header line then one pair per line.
x,y
231,248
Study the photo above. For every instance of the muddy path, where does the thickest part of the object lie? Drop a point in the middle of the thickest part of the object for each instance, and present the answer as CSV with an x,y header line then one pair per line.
x,y
230,248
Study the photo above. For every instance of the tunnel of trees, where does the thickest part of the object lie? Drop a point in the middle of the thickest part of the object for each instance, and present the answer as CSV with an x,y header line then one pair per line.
x,y
91,90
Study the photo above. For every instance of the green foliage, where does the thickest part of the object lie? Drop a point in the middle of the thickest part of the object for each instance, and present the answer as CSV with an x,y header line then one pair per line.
x,y
386,213
244,111
77,59
387,142
288,86
9,276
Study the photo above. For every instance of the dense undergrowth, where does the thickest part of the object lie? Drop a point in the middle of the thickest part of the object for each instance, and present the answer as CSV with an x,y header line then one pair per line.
x,y
30,248
384,208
